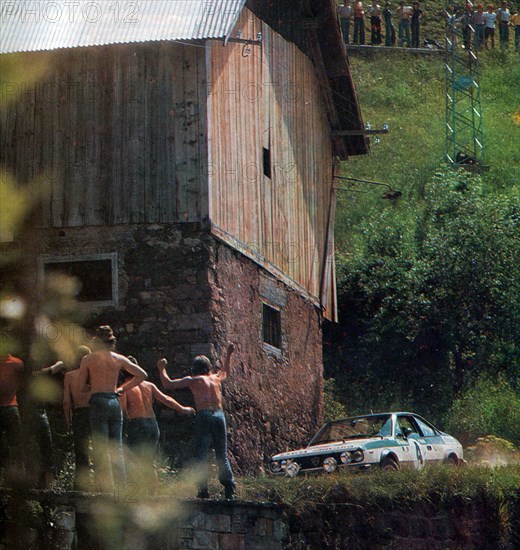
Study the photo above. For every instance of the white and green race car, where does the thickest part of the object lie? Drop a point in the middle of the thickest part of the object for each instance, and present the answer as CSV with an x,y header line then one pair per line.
x,y
389,441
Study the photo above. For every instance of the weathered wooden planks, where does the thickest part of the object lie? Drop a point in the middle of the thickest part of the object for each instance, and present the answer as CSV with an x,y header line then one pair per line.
x,y
270,99
116,130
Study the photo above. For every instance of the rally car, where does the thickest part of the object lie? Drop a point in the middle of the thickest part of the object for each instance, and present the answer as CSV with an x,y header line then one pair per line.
x,y
389,441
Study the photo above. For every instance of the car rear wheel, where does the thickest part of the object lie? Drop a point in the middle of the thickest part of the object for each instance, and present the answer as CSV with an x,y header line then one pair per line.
x,y
452,460
389,464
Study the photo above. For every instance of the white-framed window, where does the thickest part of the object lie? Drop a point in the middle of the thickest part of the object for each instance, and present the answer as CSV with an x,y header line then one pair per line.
x,y
96,275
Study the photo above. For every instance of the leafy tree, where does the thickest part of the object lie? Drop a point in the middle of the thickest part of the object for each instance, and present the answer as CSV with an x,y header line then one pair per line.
x,y
429,298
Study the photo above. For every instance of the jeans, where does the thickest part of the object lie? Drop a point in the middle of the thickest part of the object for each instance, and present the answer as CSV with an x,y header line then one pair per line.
x,y
11,427
359,30
480,32
211,429
503,31
345,29
415,27
143,432
42,430
404,32
81,438
106,422
517,37
389,31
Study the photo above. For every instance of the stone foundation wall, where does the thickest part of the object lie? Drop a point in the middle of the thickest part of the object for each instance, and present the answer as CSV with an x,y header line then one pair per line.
x,y
274,397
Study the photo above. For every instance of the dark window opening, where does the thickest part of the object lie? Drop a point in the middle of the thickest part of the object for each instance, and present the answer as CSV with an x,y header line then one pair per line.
x,y
267,162
95,277
271,326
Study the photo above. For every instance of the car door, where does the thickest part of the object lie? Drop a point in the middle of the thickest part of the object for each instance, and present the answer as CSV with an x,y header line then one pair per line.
x,y
435,447
408,438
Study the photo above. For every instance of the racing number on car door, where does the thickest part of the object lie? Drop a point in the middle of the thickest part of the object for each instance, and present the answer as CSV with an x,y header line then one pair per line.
x,y
418,448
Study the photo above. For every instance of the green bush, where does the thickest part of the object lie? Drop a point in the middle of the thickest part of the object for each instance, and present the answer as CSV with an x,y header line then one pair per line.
x,y
333,407
487,407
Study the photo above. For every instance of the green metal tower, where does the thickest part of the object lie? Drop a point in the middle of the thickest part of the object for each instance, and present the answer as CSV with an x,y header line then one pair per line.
x,y
464,136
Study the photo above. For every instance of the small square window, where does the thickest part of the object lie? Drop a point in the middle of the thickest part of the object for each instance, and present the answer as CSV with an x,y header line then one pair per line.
x,y
96,275
271,326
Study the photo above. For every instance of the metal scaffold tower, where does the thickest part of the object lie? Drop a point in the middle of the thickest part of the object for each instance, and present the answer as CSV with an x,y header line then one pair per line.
x,y
464,136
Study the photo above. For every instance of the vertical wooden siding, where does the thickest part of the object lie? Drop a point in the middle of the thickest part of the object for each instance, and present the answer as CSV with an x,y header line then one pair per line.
x,y
116,133
270,98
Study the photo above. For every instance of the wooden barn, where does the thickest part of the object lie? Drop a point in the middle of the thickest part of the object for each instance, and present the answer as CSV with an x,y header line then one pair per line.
x,y
187,150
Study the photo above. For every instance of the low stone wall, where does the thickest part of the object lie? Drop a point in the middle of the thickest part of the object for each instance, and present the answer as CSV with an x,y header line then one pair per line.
x,y
79,521
464,524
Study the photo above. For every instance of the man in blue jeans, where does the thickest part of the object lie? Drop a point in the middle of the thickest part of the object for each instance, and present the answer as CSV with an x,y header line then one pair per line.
x,y
102,368
210,422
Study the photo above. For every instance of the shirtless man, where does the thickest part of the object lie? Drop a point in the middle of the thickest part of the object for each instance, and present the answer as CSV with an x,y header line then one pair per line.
x,y
77,417
142,429
101,368
210,422
11,376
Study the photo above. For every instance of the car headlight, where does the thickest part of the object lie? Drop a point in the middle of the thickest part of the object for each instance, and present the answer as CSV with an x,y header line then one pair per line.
x,y
275,466
329,465
345,457
357,456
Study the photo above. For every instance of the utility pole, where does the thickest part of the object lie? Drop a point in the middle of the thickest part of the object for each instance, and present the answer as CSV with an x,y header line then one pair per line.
x,y
464,135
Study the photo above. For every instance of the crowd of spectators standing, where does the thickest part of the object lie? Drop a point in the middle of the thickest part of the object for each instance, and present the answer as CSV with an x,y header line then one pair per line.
x,y
461,21
109,408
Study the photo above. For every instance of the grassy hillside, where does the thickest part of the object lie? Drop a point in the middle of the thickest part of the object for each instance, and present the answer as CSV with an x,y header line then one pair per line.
x,y
408,92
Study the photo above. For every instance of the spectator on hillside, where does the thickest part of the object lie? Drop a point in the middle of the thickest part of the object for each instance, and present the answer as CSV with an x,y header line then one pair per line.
x,y
465,25
489,19
375,23
479,26
359,24
345,18
389,27
515,21
415,22
504,19
451,25
404,14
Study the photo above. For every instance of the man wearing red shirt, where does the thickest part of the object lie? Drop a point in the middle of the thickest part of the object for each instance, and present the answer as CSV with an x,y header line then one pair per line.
x,y
11,374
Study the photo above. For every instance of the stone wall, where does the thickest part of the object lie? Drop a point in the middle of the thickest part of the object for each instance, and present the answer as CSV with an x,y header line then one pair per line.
x,y
183,293
88,522
274,397
425,525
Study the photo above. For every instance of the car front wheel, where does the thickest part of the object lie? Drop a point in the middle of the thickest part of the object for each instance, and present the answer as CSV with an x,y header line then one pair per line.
x,y
389,464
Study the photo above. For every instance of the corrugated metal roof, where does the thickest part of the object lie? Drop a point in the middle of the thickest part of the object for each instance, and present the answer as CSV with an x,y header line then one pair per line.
x,y
33,25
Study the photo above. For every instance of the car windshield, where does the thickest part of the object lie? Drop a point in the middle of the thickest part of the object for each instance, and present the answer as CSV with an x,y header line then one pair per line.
x,y
379,425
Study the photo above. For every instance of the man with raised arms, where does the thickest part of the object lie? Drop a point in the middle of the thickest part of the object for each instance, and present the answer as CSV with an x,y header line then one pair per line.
x,y
210,422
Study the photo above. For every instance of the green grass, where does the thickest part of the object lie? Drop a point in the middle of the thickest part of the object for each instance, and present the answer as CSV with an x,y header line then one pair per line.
x,y
436,483
408,92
